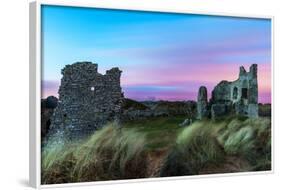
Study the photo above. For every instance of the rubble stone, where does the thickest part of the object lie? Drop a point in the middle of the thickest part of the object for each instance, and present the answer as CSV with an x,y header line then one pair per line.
x,y
87,100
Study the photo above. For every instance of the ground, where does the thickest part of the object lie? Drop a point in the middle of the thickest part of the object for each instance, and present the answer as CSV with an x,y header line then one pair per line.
x,y
160,132
158,147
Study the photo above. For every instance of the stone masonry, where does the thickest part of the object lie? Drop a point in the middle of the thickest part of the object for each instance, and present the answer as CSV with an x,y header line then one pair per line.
x,y
239,97
87,100
202,103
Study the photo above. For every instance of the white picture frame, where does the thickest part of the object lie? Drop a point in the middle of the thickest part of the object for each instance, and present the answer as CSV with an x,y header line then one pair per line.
x,y
35,90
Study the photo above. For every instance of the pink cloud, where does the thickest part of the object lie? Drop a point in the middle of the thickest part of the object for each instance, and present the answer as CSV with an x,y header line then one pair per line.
x,y
186,79
173,74
191,77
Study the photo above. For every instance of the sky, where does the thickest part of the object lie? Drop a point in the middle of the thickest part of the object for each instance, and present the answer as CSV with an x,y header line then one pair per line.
x,y
163,56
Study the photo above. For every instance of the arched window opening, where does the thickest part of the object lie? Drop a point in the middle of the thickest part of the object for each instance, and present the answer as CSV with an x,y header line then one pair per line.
x,y
244,93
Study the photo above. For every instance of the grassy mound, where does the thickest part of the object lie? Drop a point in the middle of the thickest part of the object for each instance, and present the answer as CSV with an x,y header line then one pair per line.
x,y
196,148
111,153
250,139
228,145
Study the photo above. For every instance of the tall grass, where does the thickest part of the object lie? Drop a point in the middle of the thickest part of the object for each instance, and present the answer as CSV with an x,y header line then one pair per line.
x,y
110,153
233,144
251,139
196,147
228,145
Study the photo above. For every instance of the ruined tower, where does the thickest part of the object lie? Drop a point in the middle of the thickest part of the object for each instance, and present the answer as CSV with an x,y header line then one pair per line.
x,y
246,101
87,100
239,97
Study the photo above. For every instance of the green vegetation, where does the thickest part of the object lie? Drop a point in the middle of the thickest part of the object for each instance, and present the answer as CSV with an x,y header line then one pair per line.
x,y
159,147
111,153
265,110
129,103
195,147
160,132
233,144
250,139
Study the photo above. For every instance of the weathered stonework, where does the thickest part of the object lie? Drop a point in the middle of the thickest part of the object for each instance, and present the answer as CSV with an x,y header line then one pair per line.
x,y
202,103
87,100
133,110
239,96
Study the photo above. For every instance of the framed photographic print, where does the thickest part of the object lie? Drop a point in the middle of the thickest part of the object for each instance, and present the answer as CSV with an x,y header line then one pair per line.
x,y
122,94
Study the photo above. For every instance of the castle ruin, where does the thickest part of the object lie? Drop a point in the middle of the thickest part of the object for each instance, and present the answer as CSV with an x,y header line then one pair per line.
x,y
87,100
239,97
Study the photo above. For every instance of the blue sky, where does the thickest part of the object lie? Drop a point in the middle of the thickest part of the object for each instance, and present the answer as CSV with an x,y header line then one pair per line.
x,y
164,56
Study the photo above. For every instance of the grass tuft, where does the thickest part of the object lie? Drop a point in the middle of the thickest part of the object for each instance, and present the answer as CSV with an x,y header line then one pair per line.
x,y
195,149
110,153
233,144
250,139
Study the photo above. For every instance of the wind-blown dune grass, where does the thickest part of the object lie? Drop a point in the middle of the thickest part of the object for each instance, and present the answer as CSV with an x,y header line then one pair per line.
x,y
195,148
111,153
250,139
159,147
228,145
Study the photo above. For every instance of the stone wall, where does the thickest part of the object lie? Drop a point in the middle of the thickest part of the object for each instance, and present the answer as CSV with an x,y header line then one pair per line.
x,y
87,100
239,96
